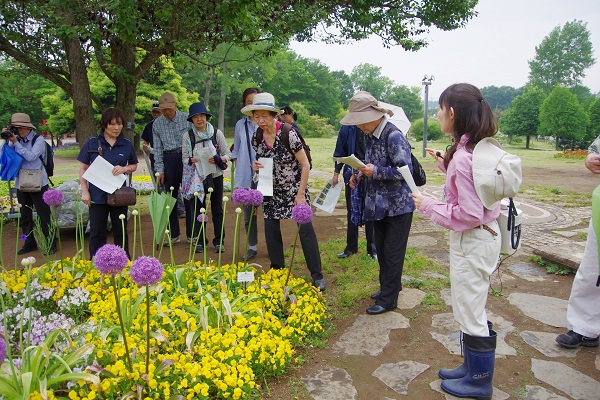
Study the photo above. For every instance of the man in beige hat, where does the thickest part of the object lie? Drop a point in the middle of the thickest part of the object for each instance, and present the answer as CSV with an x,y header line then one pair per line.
x,y
167,132
387,199
32,148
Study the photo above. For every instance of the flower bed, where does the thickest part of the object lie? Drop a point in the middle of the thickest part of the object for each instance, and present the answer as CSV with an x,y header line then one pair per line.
x,y
210,336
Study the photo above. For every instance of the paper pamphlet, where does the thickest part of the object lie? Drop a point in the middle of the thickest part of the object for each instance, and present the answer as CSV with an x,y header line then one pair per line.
x,y
405,171
351,160
203,166
328,198
265,176
99,174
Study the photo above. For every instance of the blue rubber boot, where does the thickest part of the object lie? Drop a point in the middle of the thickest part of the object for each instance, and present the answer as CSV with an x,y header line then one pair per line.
x,y
462,369
480,355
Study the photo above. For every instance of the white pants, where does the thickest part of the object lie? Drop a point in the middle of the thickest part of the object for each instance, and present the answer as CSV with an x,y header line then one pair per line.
x,y
583,311
473,258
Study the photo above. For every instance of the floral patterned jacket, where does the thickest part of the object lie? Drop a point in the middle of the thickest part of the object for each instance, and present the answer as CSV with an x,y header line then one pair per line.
x,y
387,194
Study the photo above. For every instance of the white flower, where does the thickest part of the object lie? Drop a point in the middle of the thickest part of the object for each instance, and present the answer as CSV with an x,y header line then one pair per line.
x,y
31,260
238,210
135,212
171,188
210,190
157,174
122,216
168,208
203,210
167,231
25,262
225,199
196,194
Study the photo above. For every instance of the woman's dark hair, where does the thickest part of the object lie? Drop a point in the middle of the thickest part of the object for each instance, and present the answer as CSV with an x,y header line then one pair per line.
x,y
473,115
248,92
290,111
108,115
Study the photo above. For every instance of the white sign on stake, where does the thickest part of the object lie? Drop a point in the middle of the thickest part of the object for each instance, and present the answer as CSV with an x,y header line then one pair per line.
x,y
247,276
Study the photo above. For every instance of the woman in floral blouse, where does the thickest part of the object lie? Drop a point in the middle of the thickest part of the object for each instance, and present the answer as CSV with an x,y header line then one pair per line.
x,y
290,183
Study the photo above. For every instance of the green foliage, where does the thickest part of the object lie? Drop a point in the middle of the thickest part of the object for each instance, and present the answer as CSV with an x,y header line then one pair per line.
x,y
312,125
562,116
522,119
433,129
409,98
500,97
562,57
368,77
594,115
552,268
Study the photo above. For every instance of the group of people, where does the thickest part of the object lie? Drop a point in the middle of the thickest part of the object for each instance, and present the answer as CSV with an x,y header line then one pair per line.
x,y
464,115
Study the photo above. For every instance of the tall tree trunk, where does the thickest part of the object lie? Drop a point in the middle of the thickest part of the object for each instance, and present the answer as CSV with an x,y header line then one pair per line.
x,y
123,54
222,109
557,147
206,98
85,123
527,142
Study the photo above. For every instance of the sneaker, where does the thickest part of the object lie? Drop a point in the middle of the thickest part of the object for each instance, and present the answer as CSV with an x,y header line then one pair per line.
x,y
173,240
572,340
250,255
219,248
199,248
25,250
320,283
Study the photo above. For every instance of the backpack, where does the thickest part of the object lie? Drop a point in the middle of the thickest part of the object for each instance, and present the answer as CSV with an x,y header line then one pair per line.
x,y
213,138
496,173
285,138
418,173
49,164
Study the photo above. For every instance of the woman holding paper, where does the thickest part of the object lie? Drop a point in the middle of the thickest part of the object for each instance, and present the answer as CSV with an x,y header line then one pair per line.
x,y
467,117
111,145
290,183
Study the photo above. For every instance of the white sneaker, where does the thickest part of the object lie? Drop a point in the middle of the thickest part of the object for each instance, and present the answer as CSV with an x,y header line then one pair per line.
x,y
173,241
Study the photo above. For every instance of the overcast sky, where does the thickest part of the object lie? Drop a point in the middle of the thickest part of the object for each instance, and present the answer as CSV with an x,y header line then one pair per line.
x,y
493,49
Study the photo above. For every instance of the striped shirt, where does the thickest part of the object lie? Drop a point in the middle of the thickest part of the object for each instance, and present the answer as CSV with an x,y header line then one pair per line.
x,y
168,135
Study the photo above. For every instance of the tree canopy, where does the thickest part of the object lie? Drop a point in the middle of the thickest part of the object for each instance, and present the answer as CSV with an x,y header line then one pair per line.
x,y
60,39
562,116
522,119
562,57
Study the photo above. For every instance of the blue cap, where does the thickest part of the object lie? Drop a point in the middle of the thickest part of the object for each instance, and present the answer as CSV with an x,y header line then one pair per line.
x,y
198,108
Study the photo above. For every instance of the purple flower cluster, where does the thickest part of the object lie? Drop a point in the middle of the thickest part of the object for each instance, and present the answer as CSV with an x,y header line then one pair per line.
x,y
23,237
3,349
202,217
302,213
110,259
146,271
53,197
41,326
256,197
241,196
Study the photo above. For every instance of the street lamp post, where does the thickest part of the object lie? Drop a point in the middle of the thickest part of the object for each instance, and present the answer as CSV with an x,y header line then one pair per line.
x,y
426,82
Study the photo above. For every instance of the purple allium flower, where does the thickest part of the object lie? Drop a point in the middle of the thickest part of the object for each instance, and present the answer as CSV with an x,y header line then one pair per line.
x,y
302,213
23,237
110,259
202,218
146,271
256,197
3,350
53,197
241,196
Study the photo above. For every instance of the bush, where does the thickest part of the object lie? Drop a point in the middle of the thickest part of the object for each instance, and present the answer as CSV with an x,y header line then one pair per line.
x,y
312,125
433,129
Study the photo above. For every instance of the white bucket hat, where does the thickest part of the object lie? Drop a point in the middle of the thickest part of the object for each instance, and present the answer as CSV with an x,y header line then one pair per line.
x,y
21,120
261,101
496,173
364,108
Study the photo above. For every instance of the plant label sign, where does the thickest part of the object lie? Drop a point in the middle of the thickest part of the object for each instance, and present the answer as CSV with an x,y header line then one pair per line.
x,y
247,276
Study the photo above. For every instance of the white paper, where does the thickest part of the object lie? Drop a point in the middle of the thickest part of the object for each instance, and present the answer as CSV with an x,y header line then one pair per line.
x,y
204,167
247,276
329,196
99,174
405,171
265,177
351,160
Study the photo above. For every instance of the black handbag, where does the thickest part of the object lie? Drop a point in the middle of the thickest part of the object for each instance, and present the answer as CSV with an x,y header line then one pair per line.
x,y
418,173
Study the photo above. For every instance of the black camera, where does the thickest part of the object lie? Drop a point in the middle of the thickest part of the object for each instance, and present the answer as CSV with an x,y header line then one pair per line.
x,y
10,131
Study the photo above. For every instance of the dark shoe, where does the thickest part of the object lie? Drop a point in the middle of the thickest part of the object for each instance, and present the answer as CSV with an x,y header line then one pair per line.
x,y
376,309
376,295
250,255
373,256
199,248
345,254
572,340
26,249
320,283
181,214
219,248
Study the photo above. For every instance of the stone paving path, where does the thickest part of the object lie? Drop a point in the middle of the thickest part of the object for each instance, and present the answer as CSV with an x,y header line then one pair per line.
x,y
544,226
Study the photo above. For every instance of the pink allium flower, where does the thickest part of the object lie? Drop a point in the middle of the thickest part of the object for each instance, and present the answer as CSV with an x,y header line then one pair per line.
x,y
110,259
146,271
256,197
3,349
53,197
241,196
202,218
302,213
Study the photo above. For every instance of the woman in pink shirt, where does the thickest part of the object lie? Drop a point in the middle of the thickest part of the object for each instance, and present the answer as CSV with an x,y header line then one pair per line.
x,y
474,240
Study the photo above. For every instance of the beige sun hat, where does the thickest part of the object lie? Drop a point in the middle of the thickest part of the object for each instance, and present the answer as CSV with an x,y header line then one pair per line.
x,y
261,101
21,120
496,173
364,108
167,100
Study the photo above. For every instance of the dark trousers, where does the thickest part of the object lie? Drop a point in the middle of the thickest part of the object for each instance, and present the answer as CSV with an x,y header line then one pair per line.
x,y
173,174
391,237
352,229
308,240
29,200
98,224
250,224
216,211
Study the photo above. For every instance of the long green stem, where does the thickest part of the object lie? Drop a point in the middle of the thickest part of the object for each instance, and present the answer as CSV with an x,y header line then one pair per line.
x,y
1,252
193,239
141,241
123,231
248,234
55,220
293,254
222,230
147,328
17,241
235,240
134,234
118,305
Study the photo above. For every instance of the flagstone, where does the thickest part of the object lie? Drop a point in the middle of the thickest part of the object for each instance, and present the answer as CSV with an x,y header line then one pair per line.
x,y
549,310
410,298
330,383
545,343
497,394
398,376
566,379
541,393
369,334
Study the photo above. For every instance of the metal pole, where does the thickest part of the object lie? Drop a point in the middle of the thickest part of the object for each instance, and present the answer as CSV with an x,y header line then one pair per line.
x,y
426,82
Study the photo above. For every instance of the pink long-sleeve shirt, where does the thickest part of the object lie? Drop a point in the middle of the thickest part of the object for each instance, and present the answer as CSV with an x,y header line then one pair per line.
x,y
463,209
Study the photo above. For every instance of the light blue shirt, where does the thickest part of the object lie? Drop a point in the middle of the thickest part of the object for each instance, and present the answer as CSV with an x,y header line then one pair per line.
x,y
168,136
243,165
31,153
